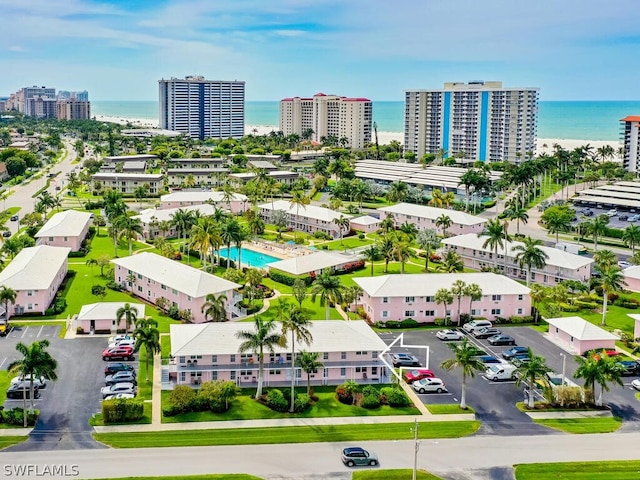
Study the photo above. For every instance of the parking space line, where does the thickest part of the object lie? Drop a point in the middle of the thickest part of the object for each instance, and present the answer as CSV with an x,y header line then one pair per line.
x,y
25,332
40,332
3,360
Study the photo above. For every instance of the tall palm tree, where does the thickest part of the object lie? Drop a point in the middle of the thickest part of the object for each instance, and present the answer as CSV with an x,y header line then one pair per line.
x,y
444,222
605,259
130,228
452,263
397,191
458,290
130,315
388,223
518,214
241,235
428,241
147,336
342,222
631,237
296,322
494,233
597,228
598,369
466,359
205,235
7,296
445,297
611,280
215,307
530,372
309,363
299,199
371,254
35,362
328,288
474,292
384,245
261,338
530,255
537,294
401,250
230,232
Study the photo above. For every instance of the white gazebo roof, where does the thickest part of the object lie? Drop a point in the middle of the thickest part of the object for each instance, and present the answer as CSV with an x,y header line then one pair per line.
x,y
312,262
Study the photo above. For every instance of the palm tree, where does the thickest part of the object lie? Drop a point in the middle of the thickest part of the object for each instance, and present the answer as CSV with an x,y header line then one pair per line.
x,y
129,228
205,235
466,359
538,293
458,290
401,250
147,335
342,222
328,288
397,191
428,241
531,372
519,214
530,255
474,292
598,369
631,237
296,322
299,199
35,363
452,263
605,258
309,363
445,297
444,222
230,232
494,233
261,338
215,307
371,254
384,246
7,296
597,228
130,315
388,223
611,280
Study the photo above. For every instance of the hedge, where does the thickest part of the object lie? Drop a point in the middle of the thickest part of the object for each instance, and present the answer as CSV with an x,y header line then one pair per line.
x,y
285,279
122,410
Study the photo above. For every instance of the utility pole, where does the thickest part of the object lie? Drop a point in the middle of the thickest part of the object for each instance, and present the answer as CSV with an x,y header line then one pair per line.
x,y
416,449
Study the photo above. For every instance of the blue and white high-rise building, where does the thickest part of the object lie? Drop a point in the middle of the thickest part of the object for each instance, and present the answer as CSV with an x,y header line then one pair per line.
x,y
202,108
473,121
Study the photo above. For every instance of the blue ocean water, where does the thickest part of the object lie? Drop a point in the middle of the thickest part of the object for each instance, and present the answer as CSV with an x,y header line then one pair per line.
x,y
581,120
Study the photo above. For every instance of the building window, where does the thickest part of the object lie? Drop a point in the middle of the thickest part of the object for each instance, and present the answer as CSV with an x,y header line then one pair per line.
x,y
66,239
429,313
180,359
429,299
343,355
232,375
385,314
51,239
174,291
139,277
214,375
245,373
374,370
519,311
139,288
163,287
495,311
409,313
29,293
361,369
183,377
275,372
232,358
214,359
361,353
520,297
385,299
496,298
29,306
343,372
325,356
409,299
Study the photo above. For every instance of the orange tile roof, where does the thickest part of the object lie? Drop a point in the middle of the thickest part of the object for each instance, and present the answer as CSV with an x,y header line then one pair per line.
x,y
631,118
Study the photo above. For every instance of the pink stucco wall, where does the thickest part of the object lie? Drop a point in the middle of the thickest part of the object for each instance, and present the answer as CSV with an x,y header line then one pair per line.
x,y
574,345
370,228
426,310
235,206
421,223
636,329
633,284
150,290
73,242
100,325
37,301
243,369
305,224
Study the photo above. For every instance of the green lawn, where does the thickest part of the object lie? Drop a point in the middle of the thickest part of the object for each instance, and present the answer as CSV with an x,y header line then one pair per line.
x,y
620,470
346,243
398,474
9,441
306,434
448,408
144,387
583,425
245,408
221,476
378,269
165,344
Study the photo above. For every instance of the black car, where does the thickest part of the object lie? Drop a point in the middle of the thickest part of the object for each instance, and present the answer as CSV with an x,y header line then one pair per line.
x,y
631,367
16,391
515,352
14,218
623,217
117,367
501,340
6,234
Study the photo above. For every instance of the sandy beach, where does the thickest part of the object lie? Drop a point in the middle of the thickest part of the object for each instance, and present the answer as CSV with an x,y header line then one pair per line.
x,y
543,145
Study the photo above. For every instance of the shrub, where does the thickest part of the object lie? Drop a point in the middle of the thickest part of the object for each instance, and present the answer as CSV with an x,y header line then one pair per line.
x,y
442,322
370,390
287,279
370,401
276,401
319,234
521,319
586,304
302,402
361,236
182,397
565,307
174,312
113,285
397,398
122,410
79,330
15,416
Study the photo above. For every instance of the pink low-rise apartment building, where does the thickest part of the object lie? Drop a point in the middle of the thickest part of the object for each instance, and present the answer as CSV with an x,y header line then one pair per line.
x,y
151,219
127,183
560,265
423,216
150,276
35,274
234,202
305,218
65,229
365,224
399,297
103,317
576,335
347,350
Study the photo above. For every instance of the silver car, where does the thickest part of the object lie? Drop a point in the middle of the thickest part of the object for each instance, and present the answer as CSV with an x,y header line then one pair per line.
x,y
129,388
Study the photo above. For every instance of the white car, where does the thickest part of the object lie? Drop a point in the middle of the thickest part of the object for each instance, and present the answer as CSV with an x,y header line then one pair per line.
x,y
37,382
476,325
119,338
624,264
127,342
129,388
636,384
429,385
119,396
449,335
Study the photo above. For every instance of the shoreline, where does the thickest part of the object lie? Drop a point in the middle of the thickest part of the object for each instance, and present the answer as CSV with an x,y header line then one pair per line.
x,y
543,145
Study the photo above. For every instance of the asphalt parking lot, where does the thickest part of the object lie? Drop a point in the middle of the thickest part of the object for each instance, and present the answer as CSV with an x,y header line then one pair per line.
x,y
494,402
67,404
614,221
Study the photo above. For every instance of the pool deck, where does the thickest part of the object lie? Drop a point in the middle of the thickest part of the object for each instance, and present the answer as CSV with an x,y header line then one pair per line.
x,y
282,251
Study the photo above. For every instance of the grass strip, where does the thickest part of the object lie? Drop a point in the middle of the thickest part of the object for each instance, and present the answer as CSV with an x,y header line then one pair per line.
x,y
275,435
448,409
583,425
220,476
397,474
10,441
618,470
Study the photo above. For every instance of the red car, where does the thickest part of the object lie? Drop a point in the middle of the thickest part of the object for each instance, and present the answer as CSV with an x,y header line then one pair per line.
x,y
611,352
124,353
411,376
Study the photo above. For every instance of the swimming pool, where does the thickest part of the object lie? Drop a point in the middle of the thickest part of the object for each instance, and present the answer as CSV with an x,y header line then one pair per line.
x,y
250,258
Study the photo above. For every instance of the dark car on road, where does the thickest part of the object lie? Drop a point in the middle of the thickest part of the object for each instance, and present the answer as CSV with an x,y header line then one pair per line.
x,y
501,340
631,367
117,367
16,391
514,352
358,456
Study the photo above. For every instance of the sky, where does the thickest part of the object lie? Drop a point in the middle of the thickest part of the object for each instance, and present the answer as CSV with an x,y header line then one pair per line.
x,y
118,49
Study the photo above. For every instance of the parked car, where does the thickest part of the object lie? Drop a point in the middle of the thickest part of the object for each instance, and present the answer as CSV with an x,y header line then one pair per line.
x,y
118,367
118,396
125,342
623,217
14,218
636,384
501,340
353,456
17,391
624,264
411,376
634,218
449,335
596,352
588,213
6,234
121,377
429,385
476,325
119,337
129,388
486,332
612,213
500,372
520,359
39,382
631,367
404,360
514,351
488,359
124,353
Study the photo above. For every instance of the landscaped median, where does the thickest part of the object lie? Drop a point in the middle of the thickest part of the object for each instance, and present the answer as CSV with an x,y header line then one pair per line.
x,y
575,421
622,470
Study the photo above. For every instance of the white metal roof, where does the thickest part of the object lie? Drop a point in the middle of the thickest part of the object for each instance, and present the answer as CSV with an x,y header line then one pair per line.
x,y
556,257
312,262
34,268
174,274
200,196
148,177
107,310
427,284
632,272
220,338
424,211
365,220
309,211
580,329
147,216
69,223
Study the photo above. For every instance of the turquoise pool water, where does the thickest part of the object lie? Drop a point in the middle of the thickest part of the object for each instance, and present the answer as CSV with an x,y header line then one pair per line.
x,y
250,258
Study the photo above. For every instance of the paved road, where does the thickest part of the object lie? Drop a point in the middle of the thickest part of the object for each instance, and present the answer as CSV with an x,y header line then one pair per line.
x,y
470,457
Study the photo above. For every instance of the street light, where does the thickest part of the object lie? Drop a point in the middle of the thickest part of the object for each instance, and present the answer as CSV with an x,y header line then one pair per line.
x,y
564,363
416,449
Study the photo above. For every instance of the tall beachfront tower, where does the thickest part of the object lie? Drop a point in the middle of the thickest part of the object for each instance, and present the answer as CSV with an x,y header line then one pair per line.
x,y
346,119
482,119
202,108
631,143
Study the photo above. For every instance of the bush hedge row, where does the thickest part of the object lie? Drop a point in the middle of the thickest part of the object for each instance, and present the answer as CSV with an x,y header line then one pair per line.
x,y
121,410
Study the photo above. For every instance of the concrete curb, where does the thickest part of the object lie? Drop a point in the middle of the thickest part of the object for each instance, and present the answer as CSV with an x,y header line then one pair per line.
x,y
15,432
578,414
